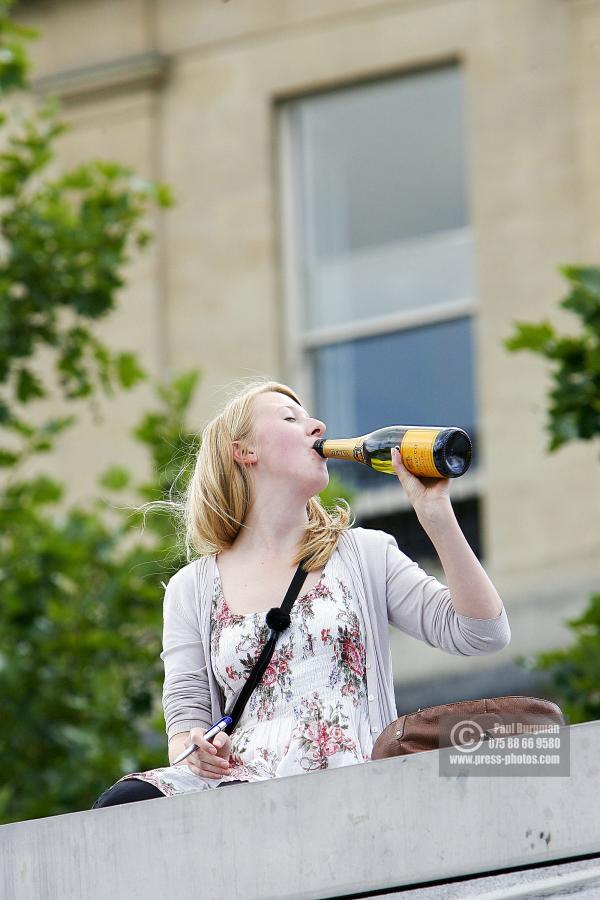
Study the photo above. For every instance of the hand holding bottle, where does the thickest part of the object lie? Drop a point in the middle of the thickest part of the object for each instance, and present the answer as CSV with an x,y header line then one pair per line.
x,y
428,496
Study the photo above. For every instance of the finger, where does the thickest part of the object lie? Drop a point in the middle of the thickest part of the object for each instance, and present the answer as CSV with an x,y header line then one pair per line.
x,y
218,769
222,741
399,468
208,754
204,763
209,769
207,748
197,738
204,773
223,745
397,460
208,764
209,751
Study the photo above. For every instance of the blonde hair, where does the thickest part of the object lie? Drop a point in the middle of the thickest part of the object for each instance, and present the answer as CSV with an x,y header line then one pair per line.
x,y
219,492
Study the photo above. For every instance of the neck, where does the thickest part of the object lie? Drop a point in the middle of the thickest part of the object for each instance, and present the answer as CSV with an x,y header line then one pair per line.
x,y
272,532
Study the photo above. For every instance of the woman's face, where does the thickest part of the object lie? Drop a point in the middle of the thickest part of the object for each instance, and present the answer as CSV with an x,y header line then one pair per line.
x,y
285,434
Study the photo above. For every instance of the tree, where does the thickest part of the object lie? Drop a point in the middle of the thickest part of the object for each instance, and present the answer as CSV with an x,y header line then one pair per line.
x,y
79,615
80,629
573,414
65,243
80,607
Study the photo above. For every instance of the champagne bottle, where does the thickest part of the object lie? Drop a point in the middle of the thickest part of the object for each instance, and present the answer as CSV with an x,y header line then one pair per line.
x,y
430,452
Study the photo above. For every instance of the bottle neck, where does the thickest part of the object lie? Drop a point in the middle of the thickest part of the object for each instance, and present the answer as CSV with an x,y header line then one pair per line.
x,y
344,448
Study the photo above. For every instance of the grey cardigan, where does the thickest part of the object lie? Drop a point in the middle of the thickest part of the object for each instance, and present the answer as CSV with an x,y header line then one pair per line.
x,y
390,588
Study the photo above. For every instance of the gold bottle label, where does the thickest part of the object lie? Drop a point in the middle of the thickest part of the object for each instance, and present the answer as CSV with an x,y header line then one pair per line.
x,y
416,451
345,448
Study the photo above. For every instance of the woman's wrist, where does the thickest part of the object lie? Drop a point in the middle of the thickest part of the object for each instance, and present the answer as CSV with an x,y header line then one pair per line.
x,y
436,516
177,744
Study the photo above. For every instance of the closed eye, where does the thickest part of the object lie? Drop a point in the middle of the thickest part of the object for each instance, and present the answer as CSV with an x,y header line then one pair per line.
x,y
290,419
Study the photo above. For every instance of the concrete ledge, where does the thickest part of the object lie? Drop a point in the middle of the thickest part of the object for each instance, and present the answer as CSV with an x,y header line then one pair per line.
x,y
369,827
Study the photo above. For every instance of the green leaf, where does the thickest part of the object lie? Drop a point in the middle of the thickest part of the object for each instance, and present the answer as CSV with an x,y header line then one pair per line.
x,y
128,370
593,360
571,351
115,478
585,304
164,196
57,425
45,490
19,426
588,277
29,386
8,458
184,387
537,338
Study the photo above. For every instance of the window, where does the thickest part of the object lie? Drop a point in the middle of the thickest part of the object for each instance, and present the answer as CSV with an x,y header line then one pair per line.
x,y
378,259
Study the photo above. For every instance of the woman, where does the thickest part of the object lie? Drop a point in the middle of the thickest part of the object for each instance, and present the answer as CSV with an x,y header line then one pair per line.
x,y
252,515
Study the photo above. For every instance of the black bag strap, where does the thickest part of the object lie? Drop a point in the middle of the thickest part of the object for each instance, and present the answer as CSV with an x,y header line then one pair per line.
x,y
278,619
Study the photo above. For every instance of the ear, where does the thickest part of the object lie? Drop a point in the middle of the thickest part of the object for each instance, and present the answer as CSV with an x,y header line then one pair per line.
x,y
245,456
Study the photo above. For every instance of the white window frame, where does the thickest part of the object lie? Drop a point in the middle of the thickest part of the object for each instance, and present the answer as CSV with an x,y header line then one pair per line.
x,y
298,342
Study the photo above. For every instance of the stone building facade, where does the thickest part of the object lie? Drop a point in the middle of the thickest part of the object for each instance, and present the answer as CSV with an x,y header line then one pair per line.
x,y
283,129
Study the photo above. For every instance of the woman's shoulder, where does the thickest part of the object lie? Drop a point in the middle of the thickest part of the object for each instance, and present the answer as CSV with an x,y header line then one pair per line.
x,y
186,578
368,539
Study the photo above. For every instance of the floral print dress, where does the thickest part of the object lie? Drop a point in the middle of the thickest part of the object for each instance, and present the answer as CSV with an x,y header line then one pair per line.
x,y
310,709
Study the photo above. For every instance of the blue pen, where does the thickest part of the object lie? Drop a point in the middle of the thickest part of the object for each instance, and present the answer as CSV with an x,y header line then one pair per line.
x,y
212,731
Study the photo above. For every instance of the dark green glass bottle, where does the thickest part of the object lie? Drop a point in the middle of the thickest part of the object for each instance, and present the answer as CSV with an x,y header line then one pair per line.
x,y
431,452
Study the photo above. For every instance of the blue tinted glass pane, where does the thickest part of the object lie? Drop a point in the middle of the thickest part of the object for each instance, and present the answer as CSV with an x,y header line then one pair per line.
x,y
421,376
381,187
381,161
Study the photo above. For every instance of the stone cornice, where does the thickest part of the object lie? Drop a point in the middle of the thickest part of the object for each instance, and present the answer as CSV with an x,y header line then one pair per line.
x,y
134,73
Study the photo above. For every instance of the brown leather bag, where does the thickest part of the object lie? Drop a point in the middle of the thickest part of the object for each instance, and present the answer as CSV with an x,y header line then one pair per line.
x,y
419,731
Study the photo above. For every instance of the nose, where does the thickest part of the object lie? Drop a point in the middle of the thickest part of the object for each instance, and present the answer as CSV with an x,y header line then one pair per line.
x,y
318,428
